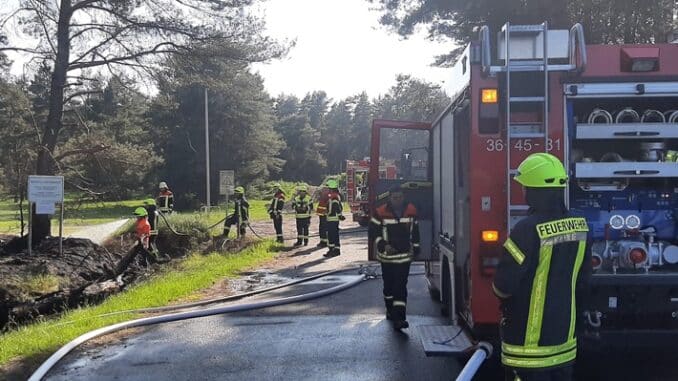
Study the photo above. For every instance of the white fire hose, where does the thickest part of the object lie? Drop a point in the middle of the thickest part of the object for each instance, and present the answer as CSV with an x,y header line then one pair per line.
x,y
63,351
482,352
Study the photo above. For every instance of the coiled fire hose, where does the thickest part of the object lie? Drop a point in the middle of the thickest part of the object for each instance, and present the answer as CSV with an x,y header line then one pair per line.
x,y
598,115
653,116
627,115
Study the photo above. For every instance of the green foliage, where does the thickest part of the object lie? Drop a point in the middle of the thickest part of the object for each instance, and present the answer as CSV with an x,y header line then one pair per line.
x,y
605,21
193,274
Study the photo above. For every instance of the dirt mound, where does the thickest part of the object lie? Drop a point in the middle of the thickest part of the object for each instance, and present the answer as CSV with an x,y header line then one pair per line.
x,y
46,281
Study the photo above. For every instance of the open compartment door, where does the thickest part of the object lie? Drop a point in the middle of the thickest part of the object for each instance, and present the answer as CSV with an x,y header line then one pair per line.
x,y
400,156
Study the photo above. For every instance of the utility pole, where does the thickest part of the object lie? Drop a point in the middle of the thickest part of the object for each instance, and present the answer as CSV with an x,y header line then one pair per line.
x,y
207,152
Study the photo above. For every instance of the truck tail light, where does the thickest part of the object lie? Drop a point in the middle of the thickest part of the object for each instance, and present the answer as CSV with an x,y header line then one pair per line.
x,y
638,256
490,236
489,96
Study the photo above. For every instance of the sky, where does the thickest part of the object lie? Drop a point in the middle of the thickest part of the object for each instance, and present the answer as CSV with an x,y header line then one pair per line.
x,y
342,49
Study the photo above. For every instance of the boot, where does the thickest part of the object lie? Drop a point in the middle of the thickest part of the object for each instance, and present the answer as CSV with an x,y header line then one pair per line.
x,y
400,324
321,244
305,242
298,243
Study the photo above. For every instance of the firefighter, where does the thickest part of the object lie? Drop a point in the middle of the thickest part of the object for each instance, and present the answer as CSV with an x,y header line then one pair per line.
x,y
546,261
321,211
334,215
275,211
396,231
152,217
165,198
142,230
240,216
303,207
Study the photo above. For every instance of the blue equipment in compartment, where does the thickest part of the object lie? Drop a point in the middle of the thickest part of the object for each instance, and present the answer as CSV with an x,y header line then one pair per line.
x,y
654,208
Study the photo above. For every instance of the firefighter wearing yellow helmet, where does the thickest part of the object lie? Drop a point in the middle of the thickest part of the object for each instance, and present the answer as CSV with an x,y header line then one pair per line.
x,y
546,263
303,207
240,215
275,209
334,215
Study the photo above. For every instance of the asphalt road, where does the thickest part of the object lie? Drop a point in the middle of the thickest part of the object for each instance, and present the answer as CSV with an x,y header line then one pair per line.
x,y
340,337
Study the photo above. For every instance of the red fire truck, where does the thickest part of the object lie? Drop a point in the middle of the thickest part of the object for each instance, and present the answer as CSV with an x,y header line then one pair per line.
x,y
357,189
609,112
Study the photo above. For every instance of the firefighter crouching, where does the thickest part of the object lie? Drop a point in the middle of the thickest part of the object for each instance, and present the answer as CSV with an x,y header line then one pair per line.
x,y
165,200
396,229
334,210
321,211
303,207
546,262
275,209
240,216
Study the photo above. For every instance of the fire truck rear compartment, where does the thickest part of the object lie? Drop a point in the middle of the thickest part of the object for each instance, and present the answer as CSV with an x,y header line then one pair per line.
x,y
624,181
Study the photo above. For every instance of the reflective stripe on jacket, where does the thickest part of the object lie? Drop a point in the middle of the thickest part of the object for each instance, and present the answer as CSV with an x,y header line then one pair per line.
x,y
334,207
303,206
544,262
401,233
277,204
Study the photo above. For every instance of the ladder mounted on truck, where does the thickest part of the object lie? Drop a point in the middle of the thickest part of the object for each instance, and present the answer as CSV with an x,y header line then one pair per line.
x,y
530,49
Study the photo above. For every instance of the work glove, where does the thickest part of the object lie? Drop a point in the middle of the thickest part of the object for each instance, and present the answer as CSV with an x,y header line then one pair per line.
x,y
342,218
390,250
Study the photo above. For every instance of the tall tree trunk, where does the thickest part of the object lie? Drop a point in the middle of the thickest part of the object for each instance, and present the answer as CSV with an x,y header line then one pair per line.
x,y
45,163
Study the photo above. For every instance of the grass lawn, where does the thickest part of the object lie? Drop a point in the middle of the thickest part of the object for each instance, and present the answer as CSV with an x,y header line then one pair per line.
x,y
179,282
93,213
87,213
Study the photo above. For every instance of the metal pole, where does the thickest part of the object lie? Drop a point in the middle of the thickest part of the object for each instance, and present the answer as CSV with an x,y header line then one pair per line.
x,y
30,227
61,230
207,152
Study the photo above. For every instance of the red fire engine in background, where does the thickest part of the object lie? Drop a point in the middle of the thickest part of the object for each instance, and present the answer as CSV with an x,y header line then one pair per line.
x,y
357,188
609,112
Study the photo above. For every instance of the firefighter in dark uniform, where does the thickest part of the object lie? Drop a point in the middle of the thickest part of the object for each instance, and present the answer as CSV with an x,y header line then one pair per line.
x,y
151,209
321,211
240,216
165,200
275,212
544,270
334,210
395,230
303,207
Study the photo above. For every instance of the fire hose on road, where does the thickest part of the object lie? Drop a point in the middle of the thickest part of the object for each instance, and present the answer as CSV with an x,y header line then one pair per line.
x,y
63,351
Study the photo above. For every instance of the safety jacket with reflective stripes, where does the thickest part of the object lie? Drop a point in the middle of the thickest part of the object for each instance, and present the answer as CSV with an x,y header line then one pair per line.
x,y
545,264
303,206
242,210
323,201
334,207
277,203
401,233
165,201
152,218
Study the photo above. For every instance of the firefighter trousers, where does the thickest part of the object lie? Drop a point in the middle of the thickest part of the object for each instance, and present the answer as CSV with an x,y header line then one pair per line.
x,y
233,220
278,224
333,235
302,229
395,288
561,373
322,230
